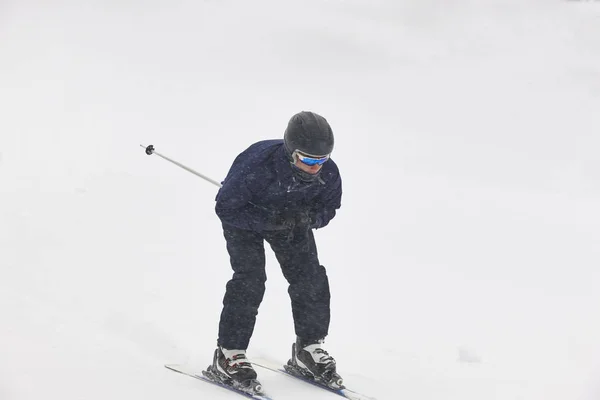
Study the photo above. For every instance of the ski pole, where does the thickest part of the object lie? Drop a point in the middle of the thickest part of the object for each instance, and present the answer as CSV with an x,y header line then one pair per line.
x,y
150,151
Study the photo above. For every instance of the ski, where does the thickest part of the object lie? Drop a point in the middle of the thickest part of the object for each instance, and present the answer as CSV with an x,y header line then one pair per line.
x,y
205,376
275,367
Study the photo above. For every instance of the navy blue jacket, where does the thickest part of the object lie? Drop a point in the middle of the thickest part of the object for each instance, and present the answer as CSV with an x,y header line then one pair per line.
x,y
261,188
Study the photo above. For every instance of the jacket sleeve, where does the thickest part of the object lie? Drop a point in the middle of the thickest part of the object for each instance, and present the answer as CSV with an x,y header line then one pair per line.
x,y
326,208
234,206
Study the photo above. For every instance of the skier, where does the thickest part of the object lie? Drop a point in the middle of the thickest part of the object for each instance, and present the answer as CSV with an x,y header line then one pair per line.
x,y
278,191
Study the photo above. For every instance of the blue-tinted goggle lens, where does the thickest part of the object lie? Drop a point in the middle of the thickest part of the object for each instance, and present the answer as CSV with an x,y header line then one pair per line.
x,y
310,161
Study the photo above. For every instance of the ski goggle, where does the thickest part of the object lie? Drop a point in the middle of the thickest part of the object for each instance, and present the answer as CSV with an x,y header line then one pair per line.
x,y
310,160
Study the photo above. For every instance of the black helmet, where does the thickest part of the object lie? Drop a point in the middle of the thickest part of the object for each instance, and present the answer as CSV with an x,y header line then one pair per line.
x,y
308,133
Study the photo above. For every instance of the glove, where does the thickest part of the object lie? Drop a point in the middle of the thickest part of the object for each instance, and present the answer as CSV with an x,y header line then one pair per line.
x,y
317,219
284,220
306,219
303,219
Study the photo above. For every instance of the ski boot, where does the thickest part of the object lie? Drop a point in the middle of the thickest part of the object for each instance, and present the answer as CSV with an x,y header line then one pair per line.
x,y
310,361
231,367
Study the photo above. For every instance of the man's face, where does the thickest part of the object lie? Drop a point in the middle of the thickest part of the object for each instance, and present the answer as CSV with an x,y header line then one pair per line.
x,y
307,163
311,169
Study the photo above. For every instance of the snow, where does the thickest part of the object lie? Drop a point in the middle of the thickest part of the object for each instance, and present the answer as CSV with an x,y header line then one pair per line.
x,y
463,263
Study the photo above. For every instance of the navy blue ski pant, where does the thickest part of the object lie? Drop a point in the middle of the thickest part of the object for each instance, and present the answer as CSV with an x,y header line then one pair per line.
x,y
308,284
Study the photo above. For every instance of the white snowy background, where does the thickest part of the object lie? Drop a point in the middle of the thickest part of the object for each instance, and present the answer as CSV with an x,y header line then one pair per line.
x,y
464,263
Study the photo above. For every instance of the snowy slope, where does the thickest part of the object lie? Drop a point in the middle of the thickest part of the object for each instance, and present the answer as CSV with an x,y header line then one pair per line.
x,y
463,264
